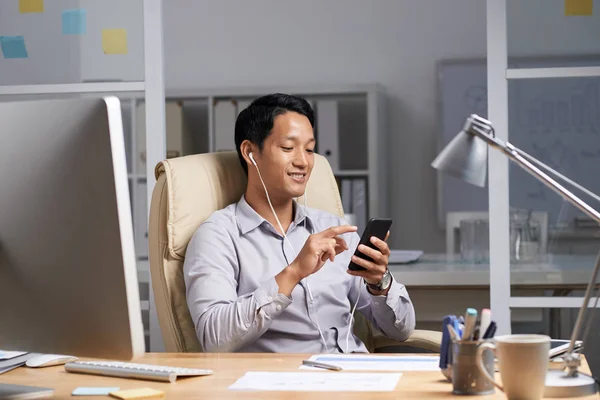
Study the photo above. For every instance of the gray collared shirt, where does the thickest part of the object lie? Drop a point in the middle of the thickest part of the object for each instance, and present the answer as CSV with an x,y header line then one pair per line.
x,y
229,270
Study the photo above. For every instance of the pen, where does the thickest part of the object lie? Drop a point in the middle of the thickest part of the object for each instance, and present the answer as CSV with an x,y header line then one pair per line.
x,y
317,364
491,330
470,319
486,318
453,333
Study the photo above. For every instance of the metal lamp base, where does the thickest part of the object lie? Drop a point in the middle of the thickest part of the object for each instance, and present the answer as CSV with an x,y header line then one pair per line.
x,y
558,384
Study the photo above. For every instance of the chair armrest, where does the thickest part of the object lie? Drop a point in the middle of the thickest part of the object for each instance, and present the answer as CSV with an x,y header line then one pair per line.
x,y
420,339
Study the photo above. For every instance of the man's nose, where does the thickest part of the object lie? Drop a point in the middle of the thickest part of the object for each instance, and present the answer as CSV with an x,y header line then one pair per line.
x,y
301,159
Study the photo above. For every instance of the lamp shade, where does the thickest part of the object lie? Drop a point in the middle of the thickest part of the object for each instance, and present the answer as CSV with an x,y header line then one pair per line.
x,y
465,158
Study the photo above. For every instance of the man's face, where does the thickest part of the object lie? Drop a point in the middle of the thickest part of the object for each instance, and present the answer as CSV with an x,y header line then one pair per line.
x,y
287,158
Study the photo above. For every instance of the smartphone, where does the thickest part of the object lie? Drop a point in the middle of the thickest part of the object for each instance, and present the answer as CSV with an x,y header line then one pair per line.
x,y
377,227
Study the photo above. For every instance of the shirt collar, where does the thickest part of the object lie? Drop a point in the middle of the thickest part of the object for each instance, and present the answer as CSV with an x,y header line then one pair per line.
x,y
248,219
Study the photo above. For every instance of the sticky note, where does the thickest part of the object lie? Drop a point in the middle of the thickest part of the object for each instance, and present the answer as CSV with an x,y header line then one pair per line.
x,y
579,7
13,47
94,391
114,41
142,393
31,6
74,22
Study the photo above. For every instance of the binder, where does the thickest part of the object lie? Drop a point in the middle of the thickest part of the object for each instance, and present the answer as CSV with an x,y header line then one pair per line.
x,y
242,105
327,132
179,140
359,203
225,113
347,195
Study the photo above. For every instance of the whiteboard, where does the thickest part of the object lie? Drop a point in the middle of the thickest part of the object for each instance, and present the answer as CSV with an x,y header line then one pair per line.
x,y
555,120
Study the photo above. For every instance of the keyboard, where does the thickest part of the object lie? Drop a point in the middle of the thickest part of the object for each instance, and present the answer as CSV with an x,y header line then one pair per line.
x,y
133,370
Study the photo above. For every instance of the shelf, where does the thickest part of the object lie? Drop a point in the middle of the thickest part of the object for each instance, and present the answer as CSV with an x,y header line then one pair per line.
x,y
145,305
66,88
249,91
351,172
143,276
562,72
139,177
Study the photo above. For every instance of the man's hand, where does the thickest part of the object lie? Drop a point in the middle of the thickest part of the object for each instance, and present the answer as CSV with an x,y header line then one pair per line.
x,y
376,268
319,248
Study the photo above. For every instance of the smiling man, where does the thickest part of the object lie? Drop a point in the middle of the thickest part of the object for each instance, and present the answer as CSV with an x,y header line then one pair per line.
x,y
269,275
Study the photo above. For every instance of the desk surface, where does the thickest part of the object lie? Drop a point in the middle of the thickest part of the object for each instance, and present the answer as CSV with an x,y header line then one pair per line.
x,y
228,368
449,271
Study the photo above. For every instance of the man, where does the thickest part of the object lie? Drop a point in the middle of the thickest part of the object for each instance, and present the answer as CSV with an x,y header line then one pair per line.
x,y
250,288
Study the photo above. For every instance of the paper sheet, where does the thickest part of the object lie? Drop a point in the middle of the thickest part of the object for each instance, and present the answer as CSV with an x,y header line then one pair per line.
x,y
404,256
317,381
370,362
13,47
114,41
7,355
74,22
31,6
579,7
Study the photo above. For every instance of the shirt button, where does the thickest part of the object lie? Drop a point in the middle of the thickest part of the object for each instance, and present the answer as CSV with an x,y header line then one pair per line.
x,y
269,298
397,322
376,303
278,308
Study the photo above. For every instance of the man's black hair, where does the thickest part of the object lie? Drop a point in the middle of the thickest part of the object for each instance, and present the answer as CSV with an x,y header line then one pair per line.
x,y
255,122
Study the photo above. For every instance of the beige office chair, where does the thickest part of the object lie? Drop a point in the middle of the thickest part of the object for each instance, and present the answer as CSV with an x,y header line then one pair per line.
x,y
187,191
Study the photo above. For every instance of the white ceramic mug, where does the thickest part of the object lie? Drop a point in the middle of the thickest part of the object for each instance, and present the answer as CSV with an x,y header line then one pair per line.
x,y
523,362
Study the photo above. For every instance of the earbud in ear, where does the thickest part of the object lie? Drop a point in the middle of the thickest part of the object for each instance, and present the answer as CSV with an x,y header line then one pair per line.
x,y
252,158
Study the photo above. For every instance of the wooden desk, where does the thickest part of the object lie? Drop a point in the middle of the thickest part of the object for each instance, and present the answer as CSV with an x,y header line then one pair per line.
x,y
228,368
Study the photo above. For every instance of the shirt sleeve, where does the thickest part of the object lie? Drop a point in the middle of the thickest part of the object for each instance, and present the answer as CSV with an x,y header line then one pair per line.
x,y
224,321
393,314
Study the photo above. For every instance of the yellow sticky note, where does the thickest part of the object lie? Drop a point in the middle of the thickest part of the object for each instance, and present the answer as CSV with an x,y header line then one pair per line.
x,y
114,41
31,6
579,7
142,393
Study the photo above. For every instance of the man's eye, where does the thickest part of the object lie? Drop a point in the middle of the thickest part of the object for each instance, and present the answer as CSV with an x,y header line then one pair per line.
x,y
310,150
287,148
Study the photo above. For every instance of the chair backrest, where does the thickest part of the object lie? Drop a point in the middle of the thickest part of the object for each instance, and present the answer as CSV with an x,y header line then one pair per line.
x,y
188,190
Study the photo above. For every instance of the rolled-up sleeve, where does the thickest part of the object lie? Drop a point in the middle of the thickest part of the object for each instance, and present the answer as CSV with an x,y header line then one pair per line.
x,y
224,321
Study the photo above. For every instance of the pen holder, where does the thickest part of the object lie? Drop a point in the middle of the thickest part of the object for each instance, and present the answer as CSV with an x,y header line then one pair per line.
x,y
466,377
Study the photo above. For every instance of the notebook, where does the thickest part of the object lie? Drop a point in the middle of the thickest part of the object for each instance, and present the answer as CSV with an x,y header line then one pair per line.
x,y
17,392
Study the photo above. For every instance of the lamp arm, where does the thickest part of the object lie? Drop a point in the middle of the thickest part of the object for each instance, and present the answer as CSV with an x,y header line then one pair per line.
x,y
558,174
513,153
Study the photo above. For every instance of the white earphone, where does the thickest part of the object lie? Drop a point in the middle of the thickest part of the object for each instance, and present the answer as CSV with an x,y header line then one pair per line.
x,y
296,254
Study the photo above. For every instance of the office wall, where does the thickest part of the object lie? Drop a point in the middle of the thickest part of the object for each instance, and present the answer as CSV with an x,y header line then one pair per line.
x,y
393,42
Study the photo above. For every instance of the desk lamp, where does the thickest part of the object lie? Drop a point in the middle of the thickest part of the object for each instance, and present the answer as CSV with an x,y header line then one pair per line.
x,y
465,157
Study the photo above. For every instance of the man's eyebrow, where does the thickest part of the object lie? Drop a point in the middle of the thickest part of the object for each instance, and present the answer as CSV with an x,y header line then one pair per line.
x,y
295,138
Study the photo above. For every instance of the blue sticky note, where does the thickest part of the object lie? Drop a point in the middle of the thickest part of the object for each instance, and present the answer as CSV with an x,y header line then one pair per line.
x,y
74,22
94,391
13,46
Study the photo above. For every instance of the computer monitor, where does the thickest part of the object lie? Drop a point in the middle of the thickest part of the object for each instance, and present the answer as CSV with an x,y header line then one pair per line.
x,y
68,280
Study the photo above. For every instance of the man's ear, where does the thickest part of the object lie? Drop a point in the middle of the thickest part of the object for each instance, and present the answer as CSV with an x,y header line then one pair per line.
x,y
246,149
